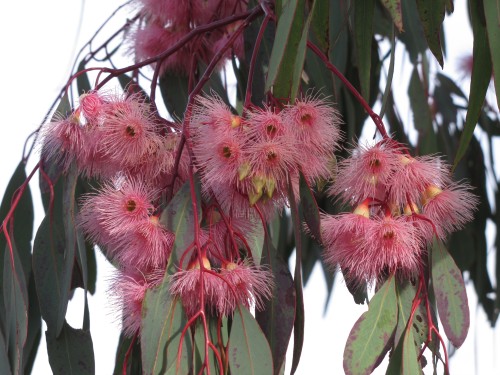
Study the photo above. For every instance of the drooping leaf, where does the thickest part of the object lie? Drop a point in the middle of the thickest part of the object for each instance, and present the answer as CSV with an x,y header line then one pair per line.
x,y
15,300
132,347
287,38
422,117
199,343
431,14
174,90
34,328
278,316
23,226
309,207
480,79
394,9
363,34
162,324
413,37
72,353
371,334
4,359
248,351
178,218
301,55
410,364
255,240
321,25
451,297
82,81
492,15
129,85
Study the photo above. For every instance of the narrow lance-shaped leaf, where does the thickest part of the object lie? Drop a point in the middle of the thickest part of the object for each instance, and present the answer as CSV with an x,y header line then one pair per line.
x,y
82,81
162,325
492,15
278,316
23,226
248,350
288,34
371,334
179,219
410,362
451,297
431,14
310,209
16,308
480,79
301,55
72,353
394,9
363,34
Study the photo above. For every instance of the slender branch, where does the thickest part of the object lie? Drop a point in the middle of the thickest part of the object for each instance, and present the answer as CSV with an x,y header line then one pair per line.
x,y
376,118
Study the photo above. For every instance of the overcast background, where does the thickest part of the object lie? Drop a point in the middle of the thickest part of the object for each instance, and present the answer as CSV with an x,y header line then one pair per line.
x,y
38,41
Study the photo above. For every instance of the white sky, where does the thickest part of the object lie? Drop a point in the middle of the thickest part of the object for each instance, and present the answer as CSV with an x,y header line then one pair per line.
x,y
37,41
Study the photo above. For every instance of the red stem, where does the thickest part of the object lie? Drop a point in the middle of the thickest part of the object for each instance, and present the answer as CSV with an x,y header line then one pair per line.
x,y
376,118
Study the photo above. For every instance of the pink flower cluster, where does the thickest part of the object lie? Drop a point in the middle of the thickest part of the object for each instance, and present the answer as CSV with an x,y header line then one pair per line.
x,y
244,161
166,22
401,203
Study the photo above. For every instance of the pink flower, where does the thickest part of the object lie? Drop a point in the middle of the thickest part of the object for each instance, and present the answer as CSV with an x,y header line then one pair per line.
x,y
265,124
366,171
187,284
128,290
63,141
413,175
244,284
167,10
214,114
390,245
116,208
91,105
147,246
315,123
129,132
449,209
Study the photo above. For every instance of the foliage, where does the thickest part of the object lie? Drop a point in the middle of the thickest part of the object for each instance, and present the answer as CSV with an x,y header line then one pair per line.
x,y
193,195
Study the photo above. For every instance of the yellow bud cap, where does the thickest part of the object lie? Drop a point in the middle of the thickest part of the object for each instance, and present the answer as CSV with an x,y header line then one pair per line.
x,y
430,193
235,121
230,266
362,210
408,210
258,183
270,186
243,170
253,197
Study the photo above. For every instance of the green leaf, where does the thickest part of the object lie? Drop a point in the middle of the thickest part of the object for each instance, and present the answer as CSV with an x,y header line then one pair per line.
x,y
363,34
174,90
134,363
413,37
178,218
130,86
23,226
248,350
410,362
4,359
310,209
70,353
301,55
431,14
287,39
394,9
320,25
480,79
82,81
199,342
162,324
451,297
371,334
34,328
15,300
492,15
278,316
255,239
422,117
